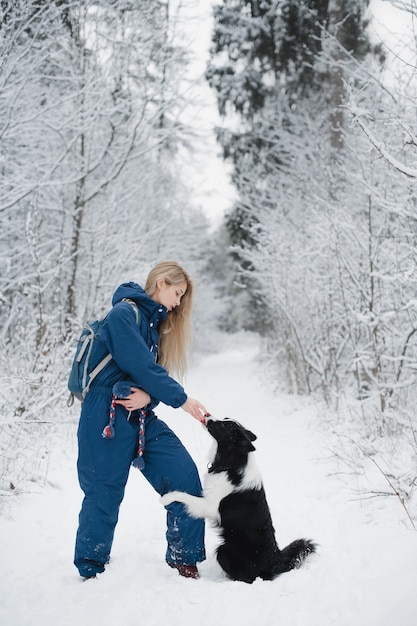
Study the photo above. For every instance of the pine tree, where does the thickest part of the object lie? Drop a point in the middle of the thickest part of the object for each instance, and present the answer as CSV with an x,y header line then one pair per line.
x,y
271,60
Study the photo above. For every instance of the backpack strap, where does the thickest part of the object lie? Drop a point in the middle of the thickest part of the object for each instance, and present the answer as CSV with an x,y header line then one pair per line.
x,y
134,307
109,357
102,364
96,371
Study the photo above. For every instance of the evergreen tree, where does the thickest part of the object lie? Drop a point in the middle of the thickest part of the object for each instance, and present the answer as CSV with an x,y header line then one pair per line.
x,y
271,61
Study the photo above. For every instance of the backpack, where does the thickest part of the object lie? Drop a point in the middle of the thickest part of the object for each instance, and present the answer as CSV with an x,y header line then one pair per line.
x,y
81,373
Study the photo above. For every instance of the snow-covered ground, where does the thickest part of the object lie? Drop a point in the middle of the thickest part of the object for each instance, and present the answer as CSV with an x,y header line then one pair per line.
x,y
365,572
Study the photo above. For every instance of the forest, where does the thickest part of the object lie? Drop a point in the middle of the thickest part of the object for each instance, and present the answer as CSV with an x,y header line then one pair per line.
x,y
316,254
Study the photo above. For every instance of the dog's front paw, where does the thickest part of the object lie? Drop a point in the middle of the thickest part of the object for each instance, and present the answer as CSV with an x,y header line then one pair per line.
x,y
169,498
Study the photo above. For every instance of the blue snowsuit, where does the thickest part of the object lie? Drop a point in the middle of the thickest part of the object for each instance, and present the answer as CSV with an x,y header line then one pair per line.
x,y
103,464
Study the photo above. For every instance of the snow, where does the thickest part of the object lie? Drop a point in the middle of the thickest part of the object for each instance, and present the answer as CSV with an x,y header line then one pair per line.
x,y
364,572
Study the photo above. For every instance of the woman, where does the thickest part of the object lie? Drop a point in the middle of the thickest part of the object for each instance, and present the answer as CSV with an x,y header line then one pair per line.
x,y
146,340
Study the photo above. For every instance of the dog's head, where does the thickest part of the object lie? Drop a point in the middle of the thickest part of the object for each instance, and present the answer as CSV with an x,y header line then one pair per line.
x,y
230,435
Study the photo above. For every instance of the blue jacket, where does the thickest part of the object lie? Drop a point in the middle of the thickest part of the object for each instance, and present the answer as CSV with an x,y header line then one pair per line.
x,y
134,347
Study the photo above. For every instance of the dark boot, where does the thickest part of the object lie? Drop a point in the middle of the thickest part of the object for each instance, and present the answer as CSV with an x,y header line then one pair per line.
x,y
188,571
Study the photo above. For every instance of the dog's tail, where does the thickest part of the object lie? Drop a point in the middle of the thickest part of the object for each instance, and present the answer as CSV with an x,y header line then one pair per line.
x,y
293,556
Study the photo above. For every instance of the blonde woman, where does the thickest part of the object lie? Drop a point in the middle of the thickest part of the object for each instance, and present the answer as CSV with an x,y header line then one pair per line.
x,y
118,426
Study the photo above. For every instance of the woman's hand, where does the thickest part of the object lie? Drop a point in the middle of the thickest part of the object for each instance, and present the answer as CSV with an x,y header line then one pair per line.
x,y
137,399
195,408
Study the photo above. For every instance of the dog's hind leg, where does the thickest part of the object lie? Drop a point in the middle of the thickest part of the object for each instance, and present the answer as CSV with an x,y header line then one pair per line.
x,y
234,566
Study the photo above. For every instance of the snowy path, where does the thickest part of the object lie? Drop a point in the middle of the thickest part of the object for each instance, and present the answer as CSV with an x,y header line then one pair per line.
x,y
364,575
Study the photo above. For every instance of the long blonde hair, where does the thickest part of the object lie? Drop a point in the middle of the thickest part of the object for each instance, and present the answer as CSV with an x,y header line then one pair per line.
x,y
175,336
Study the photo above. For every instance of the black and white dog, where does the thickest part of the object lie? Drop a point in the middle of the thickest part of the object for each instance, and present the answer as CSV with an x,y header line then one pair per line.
x,y
234,499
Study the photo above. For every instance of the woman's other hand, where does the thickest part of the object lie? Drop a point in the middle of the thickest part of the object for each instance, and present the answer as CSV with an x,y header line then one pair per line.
x,y
137,399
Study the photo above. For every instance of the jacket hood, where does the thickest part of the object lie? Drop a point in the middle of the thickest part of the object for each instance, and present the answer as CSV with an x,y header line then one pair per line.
x,y
135,292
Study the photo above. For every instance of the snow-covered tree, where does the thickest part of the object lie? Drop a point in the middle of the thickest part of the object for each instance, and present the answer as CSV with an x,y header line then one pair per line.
x,y
91,103
333,265
274,63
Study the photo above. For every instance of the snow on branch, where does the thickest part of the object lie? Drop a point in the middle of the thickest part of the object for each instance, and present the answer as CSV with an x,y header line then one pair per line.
x,y
358,115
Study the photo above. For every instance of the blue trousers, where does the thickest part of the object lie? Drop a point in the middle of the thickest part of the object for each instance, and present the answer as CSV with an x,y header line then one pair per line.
x,y
103,469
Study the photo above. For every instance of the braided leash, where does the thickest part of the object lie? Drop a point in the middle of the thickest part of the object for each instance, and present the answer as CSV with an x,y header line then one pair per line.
x,y
138,460
108,431
122,389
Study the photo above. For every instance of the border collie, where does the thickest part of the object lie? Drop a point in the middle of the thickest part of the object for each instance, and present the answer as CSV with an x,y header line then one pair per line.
x,y
234,499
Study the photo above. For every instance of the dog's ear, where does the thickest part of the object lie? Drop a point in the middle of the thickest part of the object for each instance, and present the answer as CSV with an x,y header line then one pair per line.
x,y
242,442
250,447
250,435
